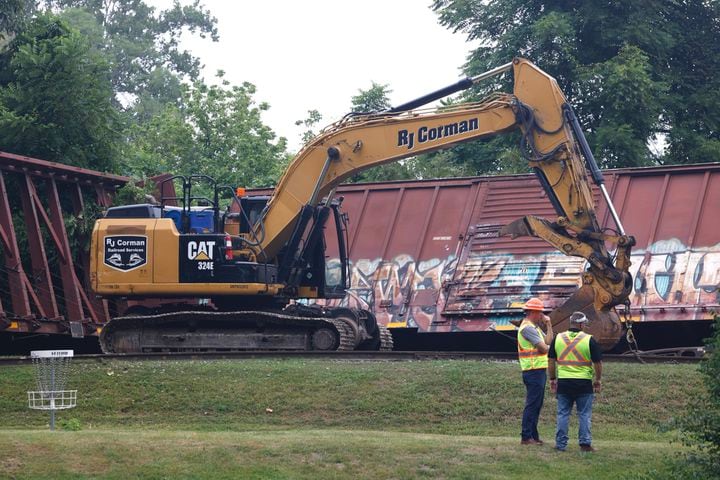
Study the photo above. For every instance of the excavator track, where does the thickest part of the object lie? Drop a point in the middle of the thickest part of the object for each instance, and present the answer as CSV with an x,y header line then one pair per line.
x,y
386,340
208,331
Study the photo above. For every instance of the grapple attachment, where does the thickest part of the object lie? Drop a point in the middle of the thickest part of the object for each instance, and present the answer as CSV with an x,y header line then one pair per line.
x,y
605,284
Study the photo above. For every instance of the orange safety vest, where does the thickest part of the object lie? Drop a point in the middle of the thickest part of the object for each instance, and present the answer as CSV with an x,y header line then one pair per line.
x,y
529,356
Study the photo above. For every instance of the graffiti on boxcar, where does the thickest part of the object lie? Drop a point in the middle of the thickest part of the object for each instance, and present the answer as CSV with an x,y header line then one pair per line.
x,y
671,282
669,276
398,290
489,289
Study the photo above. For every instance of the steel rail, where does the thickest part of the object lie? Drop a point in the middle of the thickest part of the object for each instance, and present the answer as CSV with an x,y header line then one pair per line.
x,y
345,355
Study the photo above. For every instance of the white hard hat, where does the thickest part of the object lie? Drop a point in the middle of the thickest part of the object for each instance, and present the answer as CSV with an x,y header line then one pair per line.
x,y
578,317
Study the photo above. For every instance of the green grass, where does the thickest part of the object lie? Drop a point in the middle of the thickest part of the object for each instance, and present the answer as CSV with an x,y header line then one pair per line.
x,y
330,419
311,454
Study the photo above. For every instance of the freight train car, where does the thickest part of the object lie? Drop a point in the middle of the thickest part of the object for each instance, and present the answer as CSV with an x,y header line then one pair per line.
x,y
426,257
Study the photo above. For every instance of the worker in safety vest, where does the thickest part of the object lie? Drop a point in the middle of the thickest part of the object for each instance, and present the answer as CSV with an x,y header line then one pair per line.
x,y
575,369
532,353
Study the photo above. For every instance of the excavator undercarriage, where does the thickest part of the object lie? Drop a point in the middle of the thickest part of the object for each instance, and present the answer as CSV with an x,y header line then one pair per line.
x,y
297,327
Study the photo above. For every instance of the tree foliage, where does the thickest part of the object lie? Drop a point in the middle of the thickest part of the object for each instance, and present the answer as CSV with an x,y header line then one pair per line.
x,y
55,97
375,99
217,131
309,123
637,73
701,424
14,15
101,79
139,42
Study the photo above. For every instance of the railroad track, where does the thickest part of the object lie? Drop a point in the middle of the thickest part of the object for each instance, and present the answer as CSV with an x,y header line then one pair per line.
x,y
347,355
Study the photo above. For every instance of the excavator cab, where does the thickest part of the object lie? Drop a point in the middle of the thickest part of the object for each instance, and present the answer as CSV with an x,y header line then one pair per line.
x,y
213,246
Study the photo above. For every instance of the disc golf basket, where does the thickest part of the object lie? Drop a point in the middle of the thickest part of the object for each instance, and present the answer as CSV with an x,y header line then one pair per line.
x,y
52,368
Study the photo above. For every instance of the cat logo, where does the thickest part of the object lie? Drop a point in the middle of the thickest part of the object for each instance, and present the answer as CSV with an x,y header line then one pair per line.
x,y
200,250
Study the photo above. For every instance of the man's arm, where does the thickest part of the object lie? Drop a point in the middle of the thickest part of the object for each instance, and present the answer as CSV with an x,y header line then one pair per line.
x,y
548,330
532,336
552,373
596,357
597,383
544,345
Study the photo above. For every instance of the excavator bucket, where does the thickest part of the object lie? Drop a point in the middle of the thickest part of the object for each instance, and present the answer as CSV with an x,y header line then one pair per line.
x,y
516,228
604,325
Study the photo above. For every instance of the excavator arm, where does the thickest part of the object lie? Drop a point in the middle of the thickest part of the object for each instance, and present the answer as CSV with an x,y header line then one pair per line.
x,y
554,146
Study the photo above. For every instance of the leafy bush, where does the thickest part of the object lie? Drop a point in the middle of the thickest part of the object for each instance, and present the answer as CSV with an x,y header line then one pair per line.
x,y
701,424
70,424
133,192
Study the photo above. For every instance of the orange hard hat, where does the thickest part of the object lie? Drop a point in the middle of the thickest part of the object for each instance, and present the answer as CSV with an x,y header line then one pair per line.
x,y
534,304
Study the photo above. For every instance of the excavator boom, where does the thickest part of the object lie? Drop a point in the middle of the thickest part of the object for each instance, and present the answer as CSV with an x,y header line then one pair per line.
x,y
552,142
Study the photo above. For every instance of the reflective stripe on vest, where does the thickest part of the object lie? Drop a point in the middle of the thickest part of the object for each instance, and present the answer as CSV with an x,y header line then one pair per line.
x,y
573,355
529,356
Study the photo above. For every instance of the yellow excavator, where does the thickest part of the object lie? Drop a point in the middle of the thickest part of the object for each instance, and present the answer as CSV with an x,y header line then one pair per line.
x,y
246,265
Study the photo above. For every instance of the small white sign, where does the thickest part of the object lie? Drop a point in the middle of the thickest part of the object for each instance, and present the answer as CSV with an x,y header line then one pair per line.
x,y
51,353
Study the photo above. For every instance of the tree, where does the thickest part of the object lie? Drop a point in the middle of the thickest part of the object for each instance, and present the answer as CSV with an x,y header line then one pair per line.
x,y
635,72
375,100
139,42
313,119
14,14
217,131
693,76
56,98
701,424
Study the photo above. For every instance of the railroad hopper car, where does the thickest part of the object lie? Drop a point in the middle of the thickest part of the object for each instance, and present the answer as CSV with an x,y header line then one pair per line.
x,y
425,256
427,260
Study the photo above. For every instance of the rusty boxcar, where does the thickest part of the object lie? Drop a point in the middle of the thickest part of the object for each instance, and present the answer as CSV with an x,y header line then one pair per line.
x,y
426,255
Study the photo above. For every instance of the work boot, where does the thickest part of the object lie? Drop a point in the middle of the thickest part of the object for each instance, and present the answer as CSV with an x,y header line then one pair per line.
x,y
586,448
539,442
529,441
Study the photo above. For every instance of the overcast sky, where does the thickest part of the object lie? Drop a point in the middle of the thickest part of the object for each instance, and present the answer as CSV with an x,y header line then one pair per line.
x,y
317,54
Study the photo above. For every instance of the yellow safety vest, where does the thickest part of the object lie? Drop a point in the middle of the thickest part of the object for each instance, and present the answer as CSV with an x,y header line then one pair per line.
x,y
573,355
529,356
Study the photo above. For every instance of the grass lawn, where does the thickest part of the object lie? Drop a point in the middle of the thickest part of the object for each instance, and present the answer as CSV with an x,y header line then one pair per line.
x,y
329,419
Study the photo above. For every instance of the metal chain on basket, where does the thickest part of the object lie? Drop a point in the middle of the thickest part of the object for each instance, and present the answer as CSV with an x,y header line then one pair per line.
x,y
51,373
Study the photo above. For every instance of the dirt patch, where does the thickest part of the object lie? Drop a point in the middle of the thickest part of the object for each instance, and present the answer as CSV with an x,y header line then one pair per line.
x,y
478,450
11,464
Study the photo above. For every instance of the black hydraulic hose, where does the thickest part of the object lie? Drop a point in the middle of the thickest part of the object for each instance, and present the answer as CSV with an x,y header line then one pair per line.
x,y
258,241
463,84
306,213
593,168
341,228
550,192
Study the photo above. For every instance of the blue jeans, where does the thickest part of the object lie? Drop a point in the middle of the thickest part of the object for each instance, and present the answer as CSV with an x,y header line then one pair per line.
x,y
584,410
534,381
